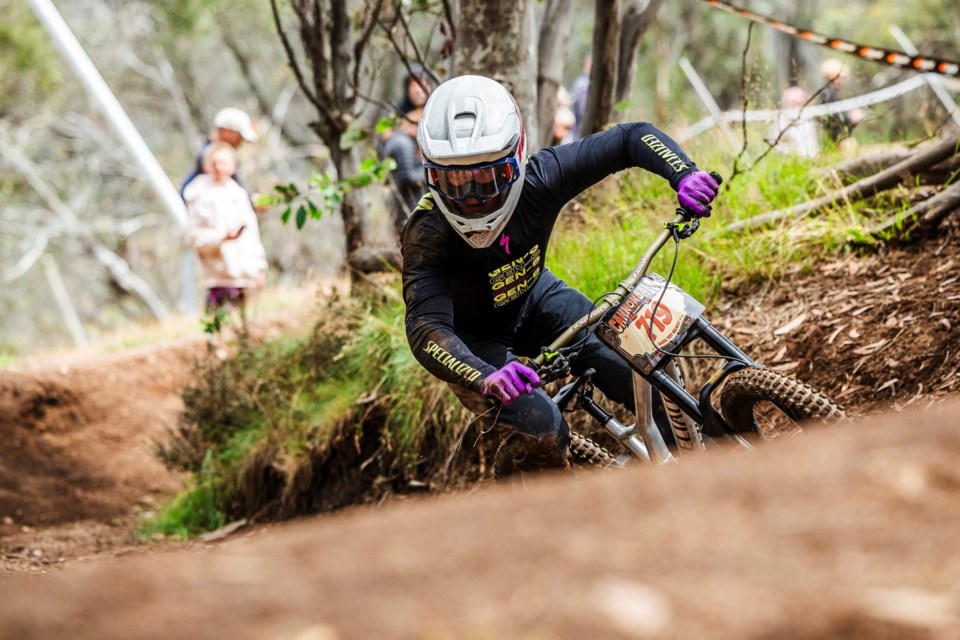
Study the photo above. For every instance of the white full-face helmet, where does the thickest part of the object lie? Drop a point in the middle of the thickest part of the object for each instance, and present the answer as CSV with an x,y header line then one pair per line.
x,y
474,150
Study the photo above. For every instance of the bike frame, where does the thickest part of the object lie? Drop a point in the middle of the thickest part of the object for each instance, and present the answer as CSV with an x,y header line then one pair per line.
x,y
685,412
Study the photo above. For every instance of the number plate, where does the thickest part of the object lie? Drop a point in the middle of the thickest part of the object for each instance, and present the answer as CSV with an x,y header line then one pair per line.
x,y
627,328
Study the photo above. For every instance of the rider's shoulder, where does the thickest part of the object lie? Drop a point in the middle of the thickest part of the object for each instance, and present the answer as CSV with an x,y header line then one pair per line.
x,y
425,221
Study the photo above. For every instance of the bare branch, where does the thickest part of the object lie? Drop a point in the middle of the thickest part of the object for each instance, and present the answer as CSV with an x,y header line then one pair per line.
x,y
291,57
745,101
451,19
37,246
635,24
362,41
119,270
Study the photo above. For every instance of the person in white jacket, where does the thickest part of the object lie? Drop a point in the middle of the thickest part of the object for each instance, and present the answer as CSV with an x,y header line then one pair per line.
x,y
222,228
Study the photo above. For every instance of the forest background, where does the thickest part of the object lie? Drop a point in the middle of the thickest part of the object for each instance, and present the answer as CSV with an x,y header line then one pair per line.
x,y
77,214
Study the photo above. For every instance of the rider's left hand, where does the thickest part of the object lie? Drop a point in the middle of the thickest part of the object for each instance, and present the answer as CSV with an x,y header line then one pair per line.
x,y
696,192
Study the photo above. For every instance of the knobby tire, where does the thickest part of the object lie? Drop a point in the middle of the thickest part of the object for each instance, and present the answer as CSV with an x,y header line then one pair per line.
x,y
747,389
585,451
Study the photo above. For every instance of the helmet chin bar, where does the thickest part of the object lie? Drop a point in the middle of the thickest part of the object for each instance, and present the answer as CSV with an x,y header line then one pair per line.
x,y
478,236
481,233
479,239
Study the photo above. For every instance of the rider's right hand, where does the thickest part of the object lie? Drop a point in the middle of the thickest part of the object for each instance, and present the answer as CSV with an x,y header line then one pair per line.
x,y
510,382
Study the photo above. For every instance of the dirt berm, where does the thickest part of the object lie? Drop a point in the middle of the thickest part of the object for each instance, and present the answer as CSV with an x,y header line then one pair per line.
x,y
849,532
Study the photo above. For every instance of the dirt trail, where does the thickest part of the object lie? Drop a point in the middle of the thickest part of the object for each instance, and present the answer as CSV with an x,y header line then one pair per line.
x,y
848,533
81,434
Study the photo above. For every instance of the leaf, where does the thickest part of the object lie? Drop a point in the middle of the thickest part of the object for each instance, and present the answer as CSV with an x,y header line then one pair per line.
x,y
266,200
352,136
790,326
385,124
621,106
301,216
286,215
870,348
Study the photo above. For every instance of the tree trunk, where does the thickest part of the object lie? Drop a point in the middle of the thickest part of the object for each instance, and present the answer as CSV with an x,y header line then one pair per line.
x,y
636,21
496,39
554,34
334,48
603,72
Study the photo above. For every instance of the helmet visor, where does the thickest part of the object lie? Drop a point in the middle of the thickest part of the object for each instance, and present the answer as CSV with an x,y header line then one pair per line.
x,y
479,182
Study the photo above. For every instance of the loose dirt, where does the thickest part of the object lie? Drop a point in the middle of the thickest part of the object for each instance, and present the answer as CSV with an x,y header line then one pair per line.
x,y
850,532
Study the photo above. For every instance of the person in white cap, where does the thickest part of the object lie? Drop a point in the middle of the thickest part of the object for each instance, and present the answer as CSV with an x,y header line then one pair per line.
x,y
230,125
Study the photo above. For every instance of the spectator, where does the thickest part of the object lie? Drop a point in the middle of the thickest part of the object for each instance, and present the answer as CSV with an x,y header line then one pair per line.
x,y
230,125
792,133
563,124
416,89
406,180
838,126
222,229
578,95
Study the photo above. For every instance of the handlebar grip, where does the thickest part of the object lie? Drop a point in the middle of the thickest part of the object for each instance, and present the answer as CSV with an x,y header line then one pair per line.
x,y
716,176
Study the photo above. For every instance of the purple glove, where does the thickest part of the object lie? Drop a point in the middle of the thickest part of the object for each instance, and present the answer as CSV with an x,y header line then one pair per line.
x,y
510,382
696,192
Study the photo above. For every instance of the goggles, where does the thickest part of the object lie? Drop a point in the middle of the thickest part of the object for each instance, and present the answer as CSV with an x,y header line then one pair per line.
x,y
459,184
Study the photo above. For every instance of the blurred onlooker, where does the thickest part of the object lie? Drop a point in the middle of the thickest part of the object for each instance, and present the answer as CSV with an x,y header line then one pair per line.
x,y
792,133
416,89
400,143
231,126
563,123
578,96
838,126
222,228
407,178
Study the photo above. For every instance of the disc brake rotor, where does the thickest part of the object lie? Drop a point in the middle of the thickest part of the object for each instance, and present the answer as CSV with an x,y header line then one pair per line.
x,y
773,423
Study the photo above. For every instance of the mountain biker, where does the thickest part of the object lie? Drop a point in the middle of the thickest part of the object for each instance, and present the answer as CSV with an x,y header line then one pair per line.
x,y
477,293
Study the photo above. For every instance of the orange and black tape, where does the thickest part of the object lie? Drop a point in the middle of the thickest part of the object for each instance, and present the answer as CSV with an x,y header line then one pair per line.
x,y
890,57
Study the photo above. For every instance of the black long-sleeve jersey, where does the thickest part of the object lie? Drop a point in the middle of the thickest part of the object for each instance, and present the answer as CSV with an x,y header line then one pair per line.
x,y
449,286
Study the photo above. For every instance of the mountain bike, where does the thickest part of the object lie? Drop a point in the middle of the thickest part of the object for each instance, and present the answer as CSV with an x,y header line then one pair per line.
x,y
648,320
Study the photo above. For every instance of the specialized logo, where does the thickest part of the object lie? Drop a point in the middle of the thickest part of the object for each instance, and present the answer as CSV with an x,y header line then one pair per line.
x,y
446,359
505,242
664,152
514,279
874,54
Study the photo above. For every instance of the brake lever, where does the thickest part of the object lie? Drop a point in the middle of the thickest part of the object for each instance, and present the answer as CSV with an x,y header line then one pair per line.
x,y
556,365
684,229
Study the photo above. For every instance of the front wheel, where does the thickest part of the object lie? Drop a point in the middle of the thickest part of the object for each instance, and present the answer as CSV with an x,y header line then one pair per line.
x,y
771,404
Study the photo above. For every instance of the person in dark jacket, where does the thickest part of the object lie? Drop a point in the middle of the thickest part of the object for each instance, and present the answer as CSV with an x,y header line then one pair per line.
x,y
406,180
478,295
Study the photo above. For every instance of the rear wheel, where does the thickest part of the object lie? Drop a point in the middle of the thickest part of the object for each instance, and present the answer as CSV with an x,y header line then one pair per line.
x,y
772,405
584,451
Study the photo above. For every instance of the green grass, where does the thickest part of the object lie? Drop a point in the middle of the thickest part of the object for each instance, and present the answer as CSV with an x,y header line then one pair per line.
x,y
601,243
191,512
